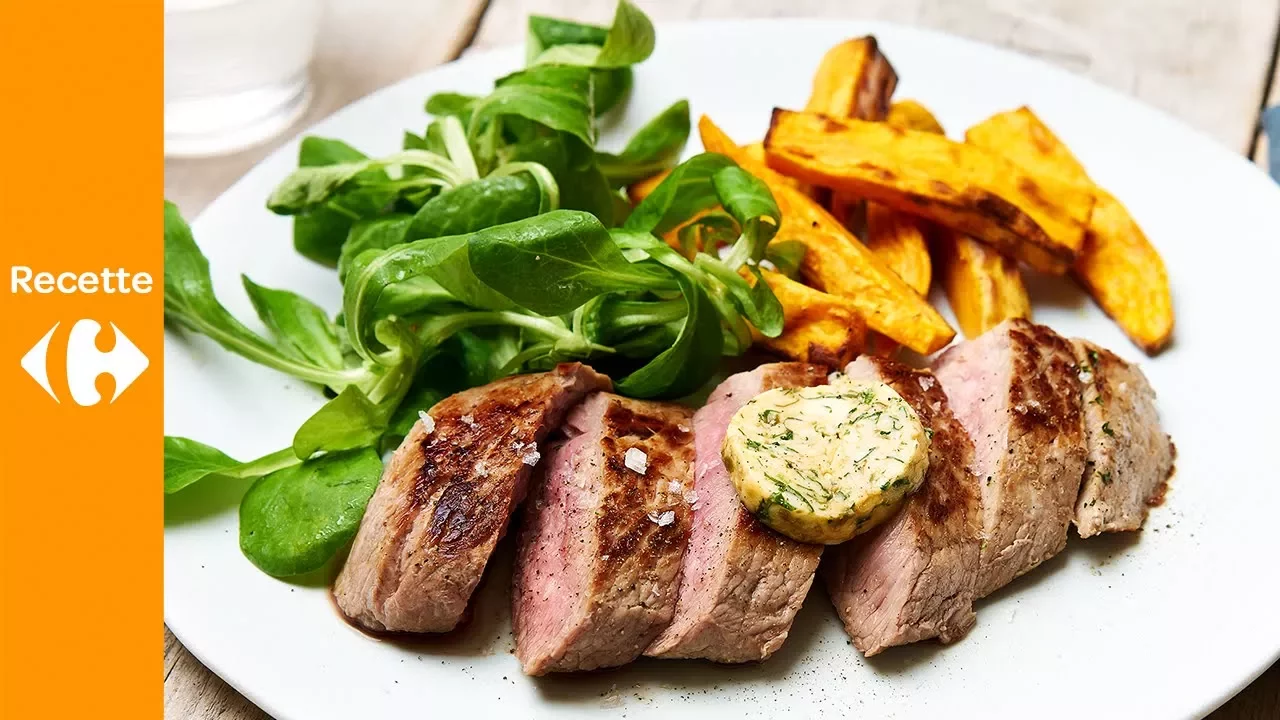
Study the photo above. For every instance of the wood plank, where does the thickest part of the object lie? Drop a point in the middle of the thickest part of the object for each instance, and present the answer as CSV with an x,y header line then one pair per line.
x,y
1260,153
362,46
1259,701
1200,61
193,693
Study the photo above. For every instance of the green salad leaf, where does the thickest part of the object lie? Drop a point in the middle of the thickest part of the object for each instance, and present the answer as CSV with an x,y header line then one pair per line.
x,y
654,148
187,462
300,327
556,262
347,422
555,96
294,520
189,301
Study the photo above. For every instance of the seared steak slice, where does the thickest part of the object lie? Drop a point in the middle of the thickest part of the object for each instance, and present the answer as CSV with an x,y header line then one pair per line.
x,y
1130,456
598,556
913,577
1016,392
741,583
445,499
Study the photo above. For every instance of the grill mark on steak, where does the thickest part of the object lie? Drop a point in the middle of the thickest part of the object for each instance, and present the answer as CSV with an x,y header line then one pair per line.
x,y
445,498
598,559
741,583
1016,391
913,578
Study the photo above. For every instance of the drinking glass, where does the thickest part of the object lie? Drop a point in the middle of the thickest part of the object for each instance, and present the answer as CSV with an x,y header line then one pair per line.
x,y
235,71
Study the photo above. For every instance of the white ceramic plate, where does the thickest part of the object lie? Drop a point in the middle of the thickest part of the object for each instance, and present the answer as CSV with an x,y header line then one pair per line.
x,y
1167,623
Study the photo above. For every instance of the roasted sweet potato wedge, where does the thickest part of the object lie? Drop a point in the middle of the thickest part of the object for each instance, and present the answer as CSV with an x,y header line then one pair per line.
x,y
983,286
899,241
820,328
853,80
1035,219
837,263
755,151
911,115
1117,265
897,238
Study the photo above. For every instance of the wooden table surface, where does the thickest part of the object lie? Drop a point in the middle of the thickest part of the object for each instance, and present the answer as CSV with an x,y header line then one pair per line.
x,y
1208,63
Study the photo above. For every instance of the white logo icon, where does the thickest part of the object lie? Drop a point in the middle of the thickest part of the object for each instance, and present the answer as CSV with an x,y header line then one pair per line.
x,y
125,362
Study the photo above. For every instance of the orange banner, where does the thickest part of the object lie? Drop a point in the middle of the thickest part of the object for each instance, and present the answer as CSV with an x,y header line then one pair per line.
x,y
80,353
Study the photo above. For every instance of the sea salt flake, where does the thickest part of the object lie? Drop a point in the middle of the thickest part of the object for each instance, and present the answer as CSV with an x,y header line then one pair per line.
x,y
653,516
469,420
636,460
674,486
926,381
532,456
666,518
683,428
691,497
481,469
937,406
428,422
516,445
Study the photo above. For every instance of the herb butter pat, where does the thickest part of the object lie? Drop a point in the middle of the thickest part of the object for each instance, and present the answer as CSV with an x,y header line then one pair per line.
x,y
823,464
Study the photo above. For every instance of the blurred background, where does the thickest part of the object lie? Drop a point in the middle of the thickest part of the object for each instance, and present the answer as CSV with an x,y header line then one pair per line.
x,y
243,76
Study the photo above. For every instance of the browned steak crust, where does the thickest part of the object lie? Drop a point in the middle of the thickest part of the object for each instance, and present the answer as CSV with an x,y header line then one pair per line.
x,y
598,556
1016,391
445,499
741,583
913,577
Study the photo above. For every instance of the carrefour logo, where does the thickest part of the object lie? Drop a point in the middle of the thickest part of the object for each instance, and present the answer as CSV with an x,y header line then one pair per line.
x,y
85,362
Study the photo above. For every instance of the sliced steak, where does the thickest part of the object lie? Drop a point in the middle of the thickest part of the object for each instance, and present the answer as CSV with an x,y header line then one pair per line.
x,y
1016,391
913,577
742,583
598,555
445,499
1130,457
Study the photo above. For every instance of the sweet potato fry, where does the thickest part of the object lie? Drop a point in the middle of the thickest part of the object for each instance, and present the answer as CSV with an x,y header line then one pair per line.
x,y
820,328
1117,265
853,80
897,238
1038,220
755,151
983,286
637,192
911,115
899,241
837,263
